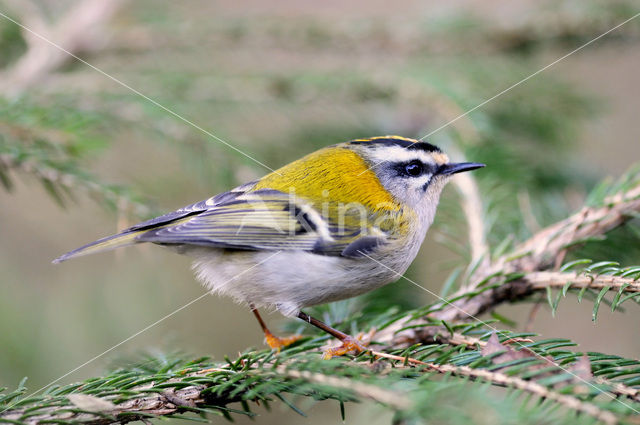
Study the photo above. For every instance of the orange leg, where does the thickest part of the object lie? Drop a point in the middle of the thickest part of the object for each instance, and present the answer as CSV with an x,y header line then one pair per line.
x,y
349,343
272,340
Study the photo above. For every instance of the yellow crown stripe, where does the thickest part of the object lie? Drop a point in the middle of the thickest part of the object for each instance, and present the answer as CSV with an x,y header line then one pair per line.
x,y
390,137
406,139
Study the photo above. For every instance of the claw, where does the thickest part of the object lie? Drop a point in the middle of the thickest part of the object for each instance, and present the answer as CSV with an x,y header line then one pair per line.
x,y
348,345
278,343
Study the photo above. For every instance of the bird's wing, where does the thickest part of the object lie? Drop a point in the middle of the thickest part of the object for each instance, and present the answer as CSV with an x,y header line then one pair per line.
x,y
197,208
260,220
263,219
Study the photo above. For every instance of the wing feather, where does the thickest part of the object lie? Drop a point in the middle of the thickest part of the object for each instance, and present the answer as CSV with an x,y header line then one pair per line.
x,y
269,220
243,218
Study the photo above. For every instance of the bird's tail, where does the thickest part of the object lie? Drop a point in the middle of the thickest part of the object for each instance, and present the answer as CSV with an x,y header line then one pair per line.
x,y
125,238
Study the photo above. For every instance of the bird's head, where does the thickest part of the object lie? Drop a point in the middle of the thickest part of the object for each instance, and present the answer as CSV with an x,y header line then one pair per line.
x,y
413,172
380,176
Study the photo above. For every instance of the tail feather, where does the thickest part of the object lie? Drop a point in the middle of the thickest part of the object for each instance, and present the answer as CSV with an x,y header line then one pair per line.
x,y
104,244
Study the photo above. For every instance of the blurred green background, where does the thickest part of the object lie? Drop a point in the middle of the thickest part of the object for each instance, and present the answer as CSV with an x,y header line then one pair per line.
x,y
277,80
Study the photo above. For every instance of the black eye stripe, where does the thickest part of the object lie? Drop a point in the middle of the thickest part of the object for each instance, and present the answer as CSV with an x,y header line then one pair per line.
x,y
414,168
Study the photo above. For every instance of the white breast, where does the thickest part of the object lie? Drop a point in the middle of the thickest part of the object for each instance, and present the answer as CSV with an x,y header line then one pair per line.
x,y
291,280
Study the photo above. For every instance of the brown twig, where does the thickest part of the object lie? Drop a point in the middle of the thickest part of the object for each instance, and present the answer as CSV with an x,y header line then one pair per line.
x,y
620,389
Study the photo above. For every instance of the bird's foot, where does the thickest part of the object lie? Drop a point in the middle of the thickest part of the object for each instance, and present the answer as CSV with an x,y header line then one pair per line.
x,y
278,343
349,344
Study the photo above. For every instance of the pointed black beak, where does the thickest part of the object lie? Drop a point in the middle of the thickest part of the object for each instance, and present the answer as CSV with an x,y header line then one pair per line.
x,y
459,167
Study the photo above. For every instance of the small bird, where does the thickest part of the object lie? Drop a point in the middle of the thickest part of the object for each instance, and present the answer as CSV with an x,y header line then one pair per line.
x,y
336,223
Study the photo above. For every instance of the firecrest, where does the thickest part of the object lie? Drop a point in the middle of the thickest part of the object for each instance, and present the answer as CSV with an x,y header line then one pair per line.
x,y
339,222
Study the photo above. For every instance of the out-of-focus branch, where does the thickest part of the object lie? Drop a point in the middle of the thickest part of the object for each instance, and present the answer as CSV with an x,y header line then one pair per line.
x,y
507,292
539,252
32,17
73,182
80,29
527,285
472,206
531,258
396,399
531,387
471,201
504,380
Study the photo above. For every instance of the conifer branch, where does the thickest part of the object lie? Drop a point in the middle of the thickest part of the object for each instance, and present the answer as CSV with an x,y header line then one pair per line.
x,y
178,398
394,399
540,253
619,389
519,274
503,380
201,388
532,387
542,280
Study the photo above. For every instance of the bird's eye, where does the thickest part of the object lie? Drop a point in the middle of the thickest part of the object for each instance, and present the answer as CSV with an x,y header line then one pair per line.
x,y
414,169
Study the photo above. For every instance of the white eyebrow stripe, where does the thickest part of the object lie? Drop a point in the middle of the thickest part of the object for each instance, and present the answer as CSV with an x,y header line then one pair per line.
x,y
400,154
